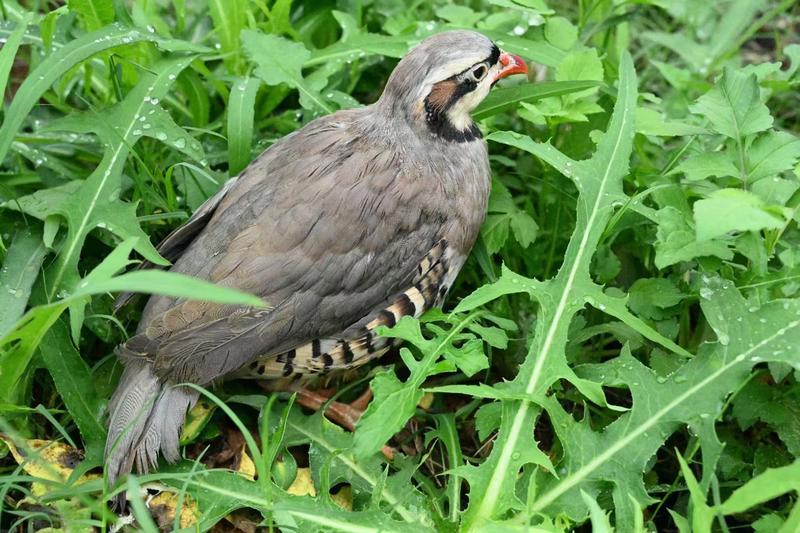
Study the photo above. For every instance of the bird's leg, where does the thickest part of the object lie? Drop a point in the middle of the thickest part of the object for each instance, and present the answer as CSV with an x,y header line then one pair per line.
x,y
344,414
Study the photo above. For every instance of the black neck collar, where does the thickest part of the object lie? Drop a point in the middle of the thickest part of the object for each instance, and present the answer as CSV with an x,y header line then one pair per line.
x,y
440,125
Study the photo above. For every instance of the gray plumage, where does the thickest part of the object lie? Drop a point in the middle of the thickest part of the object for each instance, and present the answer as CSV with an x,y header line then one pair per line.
x,y
331,226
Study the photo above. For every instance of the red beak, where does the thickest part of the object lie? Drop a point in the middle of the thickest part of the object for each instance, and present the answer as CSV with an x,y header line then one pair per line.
x,y
512,64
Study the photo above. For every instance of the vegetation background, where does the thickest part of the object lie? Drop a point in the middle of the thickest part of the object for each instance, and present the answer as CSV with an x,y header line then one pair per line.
x,y
621,350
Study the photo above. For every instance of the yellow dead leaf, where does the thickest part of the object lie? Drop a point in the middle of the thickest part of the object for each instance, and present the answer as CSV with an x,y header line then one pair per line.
x,y
426,401
302,485
246,465
196,419
344,498
163,505
45,459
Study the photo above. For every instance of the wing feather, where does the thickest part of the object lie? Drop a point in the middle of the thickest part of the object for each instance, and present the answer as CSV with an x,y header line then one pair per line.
x,y
325,226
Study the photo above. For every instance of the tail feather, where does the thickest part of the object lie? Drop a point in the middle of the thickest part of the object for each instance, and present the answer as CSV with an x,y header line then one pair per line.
x,y
146,419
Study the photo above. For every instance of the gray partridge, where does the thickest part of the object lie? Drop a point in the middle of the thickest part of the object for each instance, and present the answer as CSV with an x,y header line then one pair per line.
x,y
355,220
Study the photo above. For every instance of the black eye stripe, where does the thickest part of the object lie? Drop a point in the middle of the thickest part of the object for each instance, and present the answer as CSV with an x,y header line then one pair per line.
x,y
493,58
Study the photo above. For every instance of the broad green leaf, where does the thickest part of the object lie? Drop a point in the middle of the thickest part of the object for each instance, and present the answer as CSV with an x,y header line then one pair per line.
x,y
504,215
580,65
599,182
560,32
503,98
729,210
356,44
539,51
93,14
677,241
241,113
649,297
702,166
279,60
771,154
764,487
651,122
74,384
734,107
775,191
20,268
760,401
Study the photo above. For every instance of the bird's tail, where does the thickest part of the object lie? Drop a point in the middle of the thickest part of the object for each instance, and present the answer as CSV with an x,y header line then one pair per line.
x,y
146,418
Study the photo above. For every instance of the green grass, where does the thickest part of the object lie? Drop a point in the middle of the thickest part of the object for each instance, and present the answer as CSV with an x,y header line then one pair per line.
x,y
621,350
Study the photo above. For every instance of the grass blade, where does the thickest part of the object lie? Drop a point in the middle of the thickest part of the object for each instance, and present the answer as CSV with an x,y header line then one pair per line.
x,y
240,123
20,268
55,66
75,387
10,48
169,284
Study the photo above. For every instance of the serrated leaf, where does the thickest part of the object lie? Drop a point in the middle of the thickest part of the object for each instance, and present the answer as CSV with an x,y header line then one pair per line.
x,y
279,61
702,166
330,448
772,154
599,182
357,43
746,335
648,297
398,400
733,106
96,203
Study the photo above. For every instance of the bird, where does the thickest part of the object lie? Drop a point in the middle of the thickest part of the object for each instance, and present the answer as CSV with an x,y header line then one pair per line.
x,y
351,222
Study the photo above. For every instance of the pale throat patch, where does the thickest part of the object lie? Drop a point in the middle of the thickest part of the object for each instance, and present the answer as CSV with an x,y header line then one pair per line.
x,y
459,112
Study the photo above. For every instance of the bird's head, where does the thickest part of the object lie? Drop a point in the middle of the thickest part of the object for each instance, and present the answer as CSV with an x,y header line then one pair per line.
x,y
438,83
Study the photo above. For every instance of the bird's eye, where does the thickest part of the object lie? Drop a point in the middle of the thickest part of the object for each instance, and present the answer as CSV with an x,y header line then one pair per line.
x,y
479,72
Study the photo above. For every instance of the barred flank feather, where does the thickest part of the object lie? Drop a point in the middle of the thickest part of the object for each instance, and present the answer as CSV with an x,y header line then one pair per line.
x,y
323,355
